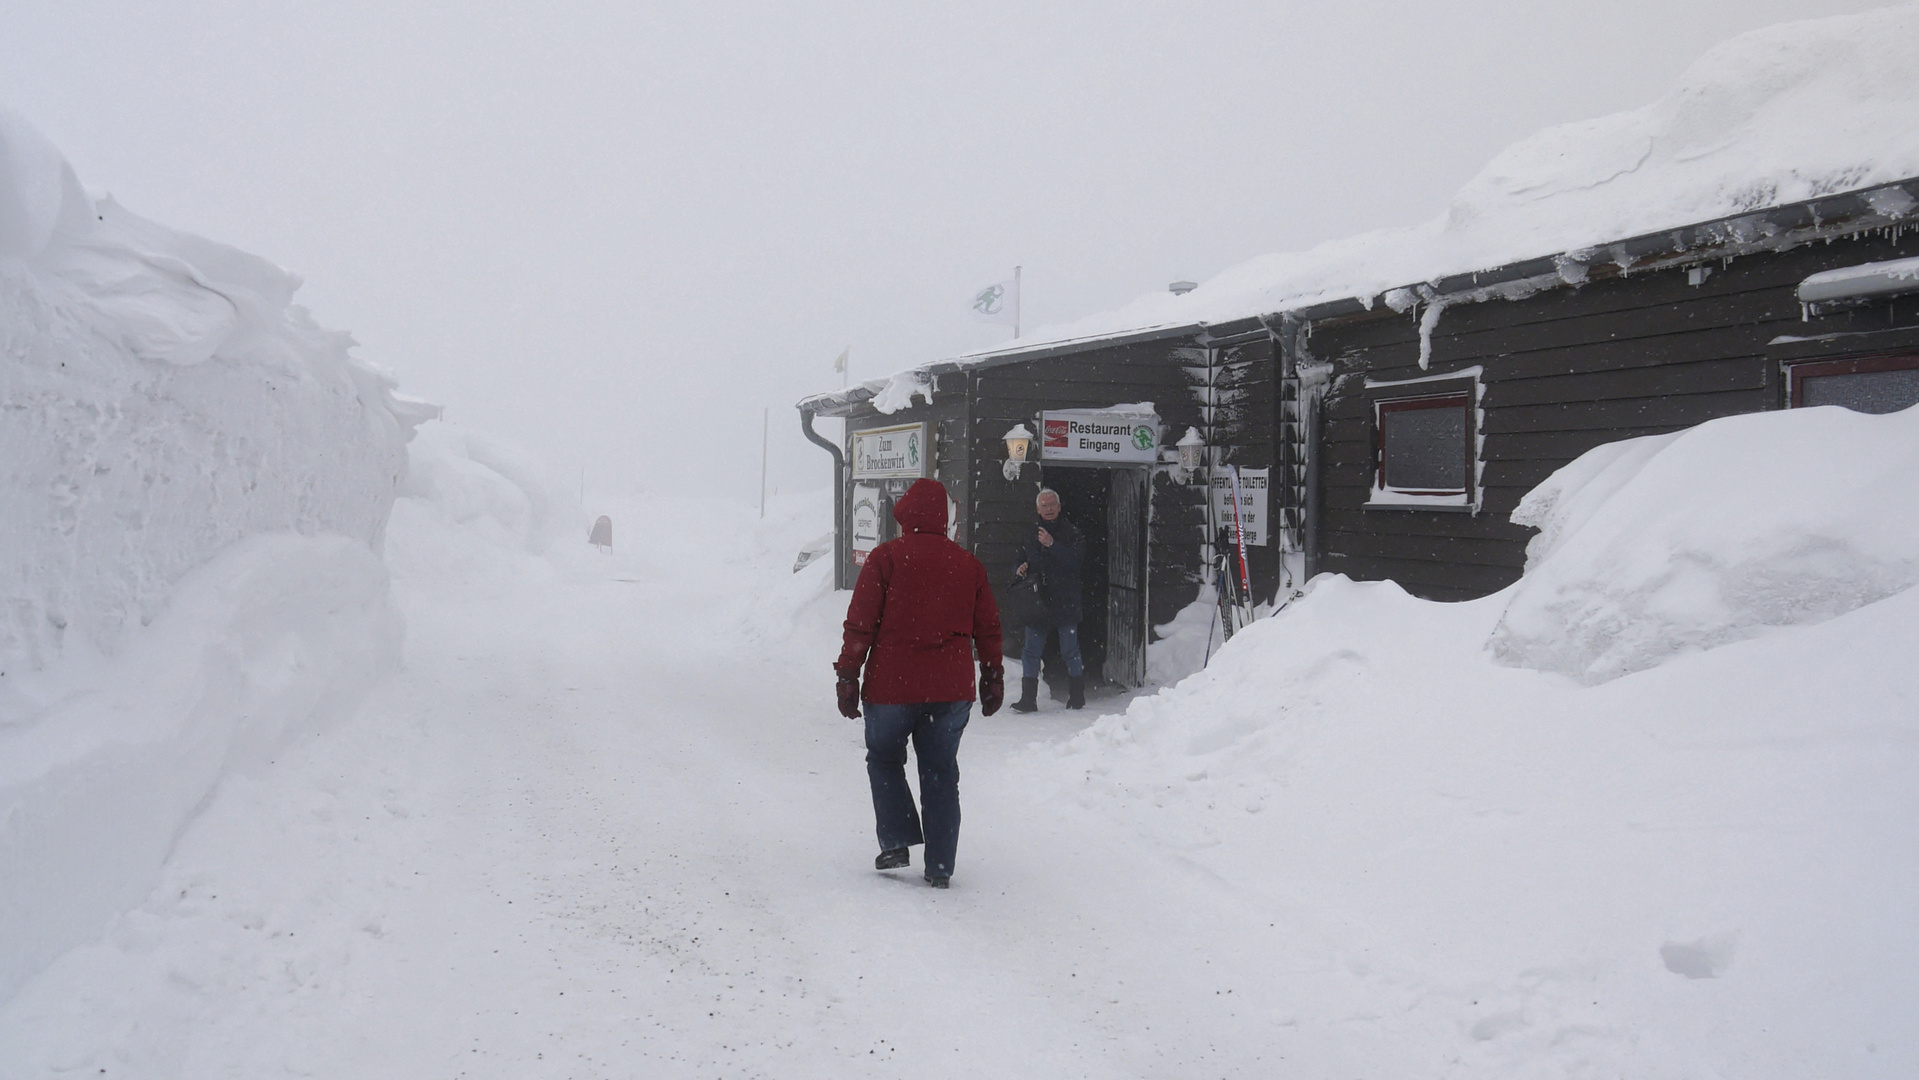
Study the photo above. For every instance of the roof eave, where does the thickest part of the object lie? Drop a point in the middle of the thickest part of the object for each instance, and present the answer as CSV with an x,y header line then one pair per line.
x,y
1776,227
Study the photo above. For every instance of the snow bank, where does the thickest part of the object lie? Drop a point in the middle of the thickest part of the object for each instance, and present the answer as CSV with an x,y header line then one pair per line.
x,y
102,766
162,399
194,479
1675,543
1775,116
492,488
1703,867
1184,645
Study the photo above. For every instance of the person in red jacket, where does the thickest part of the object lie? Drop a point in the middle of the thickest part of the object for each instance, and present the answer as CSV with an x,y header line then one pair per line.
x,y
920,612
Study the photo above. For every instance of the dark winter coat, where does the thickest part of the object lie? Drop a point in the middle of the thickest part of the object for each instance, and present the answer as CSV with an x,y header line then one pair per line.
x,y
1057,570
920,610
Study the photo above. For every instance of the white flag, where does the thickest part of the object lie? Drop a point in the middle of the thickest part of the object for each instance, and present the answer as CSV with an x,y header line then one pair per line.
x,y
839,365
998,303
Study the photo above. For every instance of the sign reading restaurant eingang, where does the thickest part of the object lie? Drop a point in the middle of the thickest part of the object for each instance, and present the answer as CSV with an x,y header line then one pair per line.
x,y
890,452
1100,436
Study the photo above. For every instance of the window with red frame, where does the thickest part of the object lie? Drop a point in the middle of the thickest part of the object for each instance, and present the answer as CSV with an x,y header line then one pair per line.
x,y
1424,445
1867,384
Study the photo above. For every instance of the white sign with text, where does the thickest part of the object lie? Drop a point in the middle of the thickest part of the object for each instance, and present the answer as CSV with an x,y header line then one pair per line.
x,y
1252,503
866,521
1099,436
890,452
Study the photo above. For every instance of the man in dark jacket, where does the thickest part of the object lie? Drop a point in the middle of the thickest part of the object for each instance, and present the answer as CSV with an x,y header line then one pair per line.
x,y
1054,557
920,612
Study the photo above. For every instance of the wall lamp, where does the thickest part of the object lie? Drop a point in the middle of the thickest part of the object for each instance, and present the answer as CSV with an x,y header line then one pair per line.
x,y
1191,446
1018,442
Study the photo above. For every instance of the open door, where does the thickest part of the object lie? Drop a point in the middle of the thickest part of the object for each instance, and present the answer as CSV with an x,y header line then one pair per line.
x,y
1126,510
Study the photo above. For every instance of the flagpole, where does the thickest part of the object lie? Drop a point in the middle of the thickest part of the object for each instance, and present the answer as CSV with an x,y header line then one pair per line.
x,y
1018,299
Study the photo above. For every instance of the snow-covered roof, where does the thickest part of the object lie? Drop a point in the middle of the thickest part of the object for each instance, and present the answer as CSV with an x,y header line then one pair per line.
x,y
1784,115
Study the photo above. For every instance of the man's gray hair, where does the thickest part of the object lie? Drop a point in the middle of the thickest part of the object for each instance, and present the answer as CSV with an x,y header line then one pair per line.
x,y
1043,492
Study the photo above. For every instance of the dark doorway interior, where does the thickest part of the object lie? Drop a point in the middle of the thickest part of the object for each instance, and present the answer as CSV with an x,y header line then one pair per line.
x,y
1083,497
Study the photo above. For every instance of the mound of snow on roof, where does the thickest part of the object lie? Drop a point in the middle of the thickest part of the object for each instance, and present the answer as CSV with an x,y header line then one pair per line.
x,y
1775,116
1674,543
1496,871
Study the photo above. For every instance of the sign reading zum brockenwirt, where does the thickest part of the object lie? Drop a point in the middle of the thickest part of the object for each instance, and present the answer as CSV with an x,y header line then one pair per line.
x,y
886,453
1100,436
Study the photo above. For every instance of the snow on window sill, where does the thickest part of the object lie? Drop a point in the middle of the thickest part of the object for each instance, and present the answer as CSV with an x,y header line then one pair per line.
x,y
1387,499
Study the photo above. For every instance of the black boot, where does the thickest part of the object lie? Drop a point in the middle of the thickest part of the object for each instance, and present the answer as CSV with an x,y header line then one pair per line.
x,y
1028,696
893,859
1076,691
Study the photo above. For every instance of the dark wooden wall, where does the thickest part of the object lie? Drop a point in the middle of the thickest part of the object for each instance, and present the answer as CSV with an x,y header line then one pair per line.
x,y
1565,371
1245,422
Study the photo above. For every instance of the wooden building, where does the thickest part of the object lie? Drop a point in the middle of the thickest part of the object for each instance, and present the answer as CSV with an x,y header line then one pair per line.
x,y
1146,520
1426,440
1398,431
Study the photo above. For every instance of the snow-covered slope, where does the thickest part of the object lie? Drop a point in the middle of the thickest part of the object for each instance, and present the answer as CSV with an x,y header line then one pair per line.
x,y
1706,865
194,479
1775,116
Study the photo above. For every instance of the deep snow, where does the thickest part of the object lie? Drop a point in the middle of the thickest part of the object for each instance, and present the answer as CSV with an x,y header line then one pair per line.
x,y
606,822
193,481
1647,813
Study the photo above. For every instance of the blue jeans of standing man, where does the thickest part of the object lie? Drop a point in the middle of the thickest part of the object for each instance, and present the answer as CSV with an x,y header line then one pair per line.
x,y
1036,645
935,728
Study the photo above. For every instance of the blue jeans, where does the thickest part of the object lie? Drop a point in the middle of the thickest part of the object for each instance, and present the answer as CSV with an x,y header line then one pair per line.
x,y
1036,644
935,728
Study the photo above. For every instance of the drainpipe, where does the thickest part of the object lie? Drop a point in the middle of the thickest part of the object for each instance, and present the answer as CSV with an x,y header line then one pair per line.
x,y
1311,405
839,495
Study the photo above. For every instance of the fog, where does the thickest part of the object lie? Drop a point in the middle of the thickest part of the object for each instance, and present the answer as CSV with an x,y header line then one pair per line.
x,y
615,233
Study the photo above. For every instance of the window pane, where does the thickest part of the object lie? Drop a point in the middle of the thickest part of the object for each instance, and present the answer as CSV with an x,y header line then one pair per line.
x,y
1864,391
1425,448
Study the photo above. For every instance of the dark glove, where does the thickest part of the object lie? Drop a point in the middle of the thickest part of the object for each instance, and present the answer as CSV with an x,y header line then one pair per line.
x,y
849,690
992,689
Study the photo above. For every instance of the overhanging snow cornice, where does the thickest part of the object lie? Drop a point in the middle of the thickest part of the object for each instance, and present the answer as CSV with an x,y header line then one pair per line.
x,y
1893,205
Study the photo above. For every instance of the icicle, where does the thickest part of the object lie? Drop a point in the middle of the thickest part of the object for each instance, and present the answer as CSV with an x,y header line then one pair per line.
x,y
1427,323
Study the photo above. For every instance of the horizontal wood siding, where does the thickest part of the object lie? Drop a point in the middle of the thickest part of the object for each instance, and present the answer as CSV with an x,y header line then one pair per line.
x,y
1244,423
1563,371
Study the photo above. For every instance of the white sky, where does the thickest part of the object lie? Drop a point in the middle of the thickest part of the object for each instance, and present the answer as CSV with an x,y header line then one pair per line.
x,y
612,232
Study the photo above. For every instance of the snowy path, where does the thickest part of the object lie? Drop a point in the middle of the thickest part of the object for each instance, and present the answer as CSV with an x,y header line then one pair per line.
x,y
577,837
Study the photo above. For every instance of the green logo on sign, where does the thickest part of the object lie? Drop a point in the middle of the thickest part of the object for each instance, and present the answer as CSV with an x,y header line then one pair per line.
x,y
987,302
913,451
1143,437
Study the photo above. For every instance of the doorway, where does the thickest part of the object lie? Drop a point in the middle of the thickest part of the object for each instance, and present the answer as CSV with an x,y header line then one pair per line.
x,y
1109,505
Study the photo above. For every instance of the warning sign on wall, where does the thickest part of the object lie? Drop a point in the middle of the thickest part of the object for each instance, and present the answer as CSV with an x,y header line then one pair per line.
x,y
1252,503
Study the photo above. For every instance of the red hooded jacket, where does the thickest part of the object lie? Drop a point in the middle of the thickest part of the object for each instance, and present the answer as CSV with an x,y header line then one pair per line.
x,y
920,609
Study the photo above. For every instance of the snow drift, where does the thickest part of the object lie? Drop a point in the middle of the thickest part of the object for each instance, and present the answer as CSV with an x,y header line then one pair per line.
x,y
1673,543
163,399
275,638
1703,866
194,478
